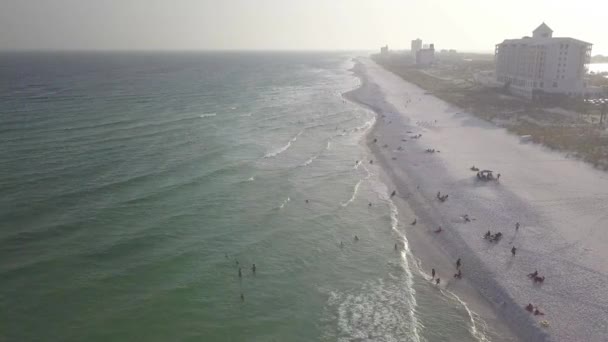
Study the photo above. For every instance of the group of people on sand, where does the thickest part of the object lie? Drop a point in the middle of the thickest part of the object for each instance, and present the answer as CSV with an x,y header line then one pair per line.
x,y
537,279
487,175
440,197
534,309
431,150
457,275
492,237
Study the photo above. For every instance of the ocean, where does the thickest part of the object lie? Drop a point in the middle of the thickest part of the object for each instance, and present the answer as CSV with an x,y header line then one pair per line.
x,y
135,185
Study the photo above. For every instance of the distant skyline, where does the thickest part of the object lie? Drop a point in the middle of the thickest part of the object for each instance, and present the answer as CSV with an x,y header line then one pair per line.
x,y
465,25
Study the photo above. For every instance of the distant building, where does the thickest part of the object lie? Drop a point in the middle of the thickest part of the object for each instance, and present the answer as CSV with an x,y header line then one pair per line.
x,y
426,57
416,46
543,64
384,50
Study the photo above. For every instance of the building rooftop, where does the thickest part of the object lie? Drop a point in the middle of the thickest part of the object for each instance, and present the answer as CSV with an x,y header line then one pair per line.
x,y
543,41
542,28
543,35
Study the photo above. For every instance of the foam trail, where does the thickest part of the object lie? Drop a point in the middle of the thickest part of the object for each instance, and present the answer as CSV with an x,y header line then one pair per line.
x,y
310,160
405,255
352,198
208,115
284,203
251,179
284,148
476,332
246,115
366,126
479,335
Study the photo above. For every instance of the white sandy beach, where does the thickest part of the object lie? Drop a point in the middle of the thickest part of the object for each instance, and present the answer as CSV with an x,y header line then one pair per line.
x,y
562,205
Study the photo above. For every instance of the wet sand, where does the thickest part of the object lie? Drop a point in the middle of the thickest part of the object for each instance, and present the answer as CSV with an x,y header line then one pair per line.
x,y
561,203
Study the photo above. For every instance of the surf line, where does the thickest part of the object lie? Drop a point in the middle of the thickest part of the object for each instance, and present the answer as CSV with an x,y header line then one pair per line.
x,y
311,159
406,254
352,198
284,148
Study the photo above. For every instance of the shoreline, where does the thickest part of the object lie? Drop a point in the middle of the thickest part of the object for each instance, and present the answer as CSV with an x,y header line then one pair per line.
x,y
424,250
560,202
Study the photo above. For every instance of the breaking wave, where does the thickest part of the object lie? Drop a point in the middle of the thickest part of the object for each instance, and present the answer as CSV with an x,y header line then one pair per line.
x,y
284,148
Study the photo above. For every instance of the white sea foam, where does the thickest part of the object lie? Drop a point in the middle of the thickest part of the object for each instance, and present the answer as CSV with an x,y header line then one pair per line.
x,y
406,256
251,179
284,148
354,195
208,115
310,160
284,203
313,158
473,321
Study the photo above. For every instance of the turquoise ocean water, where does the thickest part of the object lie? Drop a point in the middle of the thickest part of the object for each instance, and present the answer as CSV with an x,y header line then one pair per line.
x,y
132,184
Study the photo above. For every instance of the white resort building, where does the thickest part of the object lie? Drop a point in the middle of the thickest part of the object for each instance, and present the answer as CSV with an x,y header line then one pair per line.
x,y
543,64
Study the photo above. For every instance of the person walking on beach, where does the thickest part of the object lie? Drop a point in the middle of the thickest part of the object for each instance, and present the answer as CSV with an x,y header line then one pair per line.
x,y
458,275
513,250
433,273
458,263
516,226
437,281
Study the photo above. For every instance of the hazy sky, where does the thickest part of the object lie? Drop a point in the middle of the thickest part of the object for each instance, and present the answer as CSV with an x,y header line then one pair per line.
x,y
473,25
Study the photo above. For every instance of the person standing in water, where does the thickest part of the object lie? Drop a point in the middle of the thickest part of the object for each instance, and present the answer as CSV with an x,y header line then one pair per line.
x,y
458,263
240,274
437,281
242,297
253,268
433,273
513,250
516,226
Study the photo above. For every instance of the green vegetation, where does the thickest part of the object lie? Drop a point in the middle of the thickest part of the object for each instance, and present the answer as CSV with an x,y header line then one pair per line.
x,y
599,59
